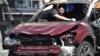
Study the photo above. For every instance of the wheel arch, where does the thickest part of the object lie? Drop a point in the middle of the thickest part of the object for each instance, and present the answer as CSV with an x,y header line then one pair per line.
x,y
90,39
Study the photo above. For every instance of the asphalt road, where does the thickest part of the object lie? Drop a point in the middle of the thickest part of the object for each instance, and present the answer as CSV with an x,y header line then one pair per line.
x,y
2,52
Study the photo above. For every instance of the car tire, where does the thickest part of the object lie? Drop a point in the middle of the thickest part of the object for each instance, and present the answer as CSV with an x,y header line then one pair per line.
x,y
84,49
11,52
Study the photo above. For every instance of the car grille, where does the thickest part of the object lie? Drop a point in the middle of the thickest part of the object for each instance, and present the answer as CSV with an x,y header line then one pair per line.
x,y
36,40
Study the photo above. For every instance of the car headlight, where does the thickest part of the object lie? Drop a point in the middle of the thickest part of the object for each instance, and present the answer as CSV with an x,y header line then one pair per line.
x,y
10,42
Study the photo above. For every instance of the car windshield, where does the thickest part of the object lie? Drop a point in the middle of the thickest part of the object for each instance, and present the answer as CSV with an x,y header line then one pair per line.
x,y
72,9
76,11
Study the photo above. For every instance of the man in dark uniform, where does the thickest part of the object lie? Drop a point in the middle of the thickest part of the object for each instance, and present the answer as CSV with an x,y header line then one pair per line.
x,y
54,15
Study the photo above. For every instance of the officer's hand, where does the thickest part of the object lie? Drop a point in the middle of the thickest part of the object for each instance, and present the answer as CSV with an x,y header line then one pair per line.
x,y
72,19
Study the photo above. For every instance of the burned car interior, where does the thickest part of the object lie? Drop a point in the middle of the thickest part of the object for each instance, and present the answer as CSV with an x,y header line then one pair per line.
x,y
77,11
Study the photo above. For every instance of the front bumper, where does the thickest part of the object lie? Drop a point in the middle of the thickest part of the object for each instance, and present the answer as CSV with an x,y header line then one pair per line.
x,y
24,50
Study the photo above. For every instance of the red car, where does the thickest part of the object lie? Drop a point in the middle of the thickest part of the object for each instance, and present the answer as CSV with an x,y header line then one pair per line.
x,y
60,38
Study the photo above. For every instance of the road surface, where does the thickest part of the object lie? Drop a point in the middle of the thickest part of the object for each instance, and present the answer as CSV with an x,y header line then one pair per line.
x,y
2,52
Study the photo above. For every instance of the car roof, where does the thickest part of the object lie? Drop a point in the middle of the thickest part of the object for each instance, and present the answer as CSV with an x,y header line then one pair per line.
x,y
69,1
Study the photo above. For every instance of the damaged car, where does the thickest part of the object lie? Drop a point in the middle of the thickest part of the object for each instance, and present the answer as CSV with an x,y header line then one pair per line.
x,y
58,38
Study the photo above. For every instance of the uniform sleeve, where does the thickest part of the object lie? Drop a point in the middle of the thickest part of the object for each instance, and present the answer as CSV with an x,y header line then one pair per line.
x,y
54,11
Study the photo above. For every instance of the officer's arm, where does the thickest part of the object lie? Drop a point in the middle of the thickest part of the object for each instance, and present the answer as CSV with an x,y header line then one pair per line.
x,y
61,17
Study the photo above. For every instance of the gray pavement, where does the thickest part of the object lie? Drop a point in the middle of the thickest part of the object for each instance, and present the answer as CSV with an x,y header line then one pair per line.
x,y
2,52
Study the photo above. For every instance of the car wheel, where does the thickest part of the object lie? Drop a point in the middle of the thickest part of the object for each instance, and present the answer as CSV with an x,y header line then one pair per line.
x,y
84,49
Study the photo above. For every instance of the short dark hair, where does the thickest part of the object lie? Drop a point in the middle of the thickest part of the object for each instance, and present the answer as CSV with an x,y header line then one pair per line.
x,y
55,6
61,6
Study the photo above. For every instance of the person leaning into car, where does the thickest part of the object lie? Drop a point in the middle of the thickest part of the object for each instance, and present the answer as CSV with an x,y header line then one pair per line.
x,y
54,14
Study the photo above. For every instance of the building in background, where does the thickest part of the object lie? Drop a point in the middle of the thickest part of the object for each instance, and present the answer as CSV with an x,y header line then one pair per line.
x,y
24,7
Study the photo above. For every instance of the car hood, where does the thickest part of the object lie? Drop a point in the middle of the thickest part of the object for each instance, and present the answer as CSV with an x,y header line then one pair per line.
x,y
44,28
